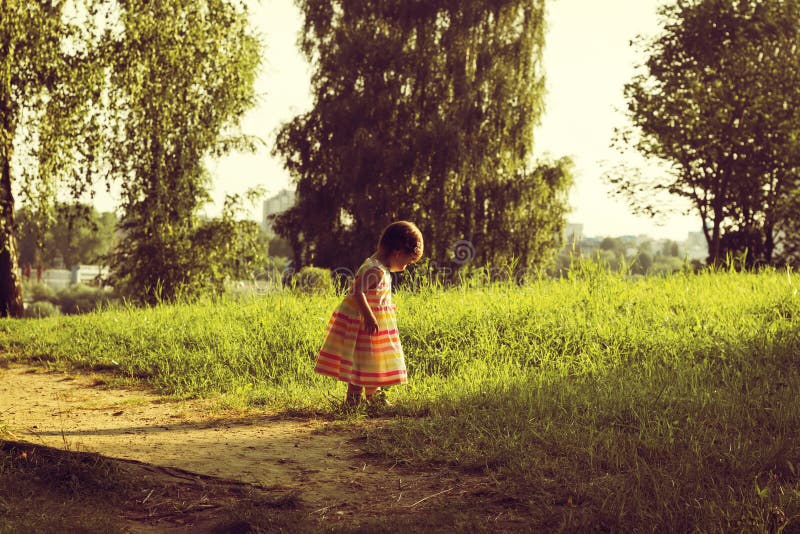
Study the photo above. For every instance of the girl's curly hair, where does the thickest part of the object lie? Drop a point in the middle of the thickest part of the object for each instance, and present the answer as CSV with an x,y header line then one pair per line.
x,y
404,236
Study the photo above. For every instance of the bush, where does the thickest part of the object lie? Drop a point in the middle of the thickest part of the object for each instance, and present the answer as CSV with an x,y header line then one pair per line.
x,y
79,298
41,309
313,280
40,293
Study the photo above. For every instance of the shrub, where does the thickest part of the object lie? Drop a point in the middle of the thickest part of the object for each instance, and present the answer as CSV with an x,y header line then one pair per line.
x,y
313,280
41,309
79,298
40,293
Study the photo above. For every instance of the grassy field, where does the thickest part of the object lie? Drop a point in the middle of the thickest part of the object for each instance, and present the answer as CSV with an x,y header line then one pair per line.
x,y
597,402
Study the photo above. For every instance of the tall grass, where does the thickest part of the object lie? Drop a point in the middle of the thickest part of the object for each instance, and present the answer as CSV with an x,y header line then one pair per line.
x,y
598,401
252,346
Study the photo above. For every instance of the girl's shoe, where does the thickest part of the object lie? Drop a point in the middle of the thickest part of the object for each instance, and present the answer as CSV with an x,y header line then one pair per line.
x,y
378,399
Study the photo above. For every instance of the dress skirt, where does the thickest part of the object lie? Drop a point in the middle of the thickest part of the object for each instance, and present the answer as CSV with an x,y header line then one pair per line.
x,y
353,355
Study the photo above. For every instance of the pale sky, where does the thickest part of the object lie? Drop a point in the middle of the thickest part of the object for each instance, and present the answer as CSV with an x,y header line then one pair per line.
x,y
587,61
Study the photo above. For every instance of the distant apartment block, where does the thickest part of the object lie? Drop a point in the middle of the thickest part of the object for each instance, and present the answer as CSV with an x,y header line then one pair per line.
x,y
90,275
276,204
695,247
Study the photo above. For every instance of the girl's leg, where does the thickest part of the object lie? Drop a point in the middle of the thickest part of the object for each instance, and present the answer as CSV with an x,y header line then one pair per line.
x,y
370,392
353,395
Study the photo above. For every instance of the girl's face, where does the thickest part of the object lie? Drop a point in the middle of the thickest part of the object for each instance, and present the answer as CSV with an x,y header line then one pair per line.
x,y
398,261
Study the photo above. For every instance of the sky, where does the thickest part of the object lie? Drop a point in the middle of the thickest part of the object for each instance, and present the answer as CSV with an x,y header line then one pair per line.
x,y
587,61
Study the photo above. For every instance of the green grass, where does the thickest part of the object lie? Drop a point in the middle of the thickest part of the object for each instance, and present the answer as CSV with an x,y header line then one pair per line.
x,y
598,402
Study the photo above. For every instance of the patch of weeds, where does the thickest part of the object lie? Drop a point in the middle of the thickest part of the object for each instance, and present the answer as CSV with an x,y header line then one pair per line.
x,y
49,490
279,513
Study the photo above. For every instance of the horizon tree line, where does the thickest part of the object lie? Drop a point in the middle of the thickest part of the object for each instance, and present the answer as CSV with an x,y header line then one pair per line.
x,y
423,110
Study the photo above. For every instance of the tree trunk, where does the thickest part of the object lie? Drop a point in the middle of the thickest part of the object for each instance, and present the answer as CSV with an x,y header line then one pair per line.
x,y
716,235
10,284
769,243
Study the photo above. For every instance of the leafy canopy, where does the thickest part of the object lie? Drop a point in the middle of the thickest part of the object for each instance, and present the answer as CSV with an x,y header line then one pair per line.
x,y
423,110
49,84
181,76
719,100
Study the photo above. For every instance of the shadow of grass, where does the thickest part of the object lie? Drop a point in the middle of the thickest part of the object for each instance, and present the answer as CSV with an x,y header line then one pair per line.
x,y
43,489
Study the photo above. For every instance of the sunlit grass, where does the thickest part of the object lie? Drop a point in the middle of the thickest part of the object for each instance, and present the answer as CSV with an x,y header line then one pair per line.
x,y
598,401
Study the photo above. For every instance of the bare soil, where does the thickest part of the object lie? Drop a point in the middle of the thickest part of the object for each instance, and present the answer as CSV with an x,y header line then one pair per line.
x,y
320,466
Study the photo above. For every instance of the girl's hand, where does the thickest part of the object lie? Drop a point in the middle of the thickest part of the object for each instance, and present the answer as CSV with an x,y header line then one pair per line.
x,y
370,324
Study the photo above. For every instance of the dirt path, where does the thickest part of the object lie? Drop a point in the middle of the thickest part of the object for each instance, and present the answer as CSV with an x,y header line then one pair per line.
x,y
335,479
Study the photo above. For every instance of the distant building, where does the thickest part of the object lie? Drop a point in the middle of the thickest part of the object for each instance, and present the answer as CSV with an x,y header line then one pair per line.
x,y
90,275
56,278
276,204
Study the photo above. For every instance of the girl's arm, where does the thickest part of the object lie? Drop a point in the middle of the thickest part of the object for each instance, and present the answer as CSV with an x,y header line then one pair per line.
x,y
368,280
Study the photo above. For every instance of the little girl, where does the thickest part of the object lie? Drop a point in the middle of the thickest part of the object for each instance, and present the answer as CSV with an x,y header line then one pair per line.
x,y
362,346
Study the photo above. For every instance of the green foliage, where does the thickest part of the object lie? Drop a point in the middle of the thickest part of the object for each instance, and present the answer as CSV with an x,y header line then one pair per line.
x,y
719,101
666,265
47,96
618,255
642,263
44,301
142,96
79,235
529,216
43,308
425,112
40,293
228,247
79,298
280,247
671,248
182,74
614,244
313,280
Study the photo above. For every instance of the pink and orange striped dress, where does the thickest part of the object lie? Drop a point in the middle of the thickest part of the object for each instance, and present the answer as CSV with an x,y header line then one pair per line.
x,y
352,354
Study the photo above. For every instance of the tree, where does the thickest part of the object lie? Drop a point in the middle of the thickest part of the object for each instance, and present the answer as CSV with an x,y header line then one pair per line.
x,y
48,86
642,263
613,244
788,229
79,235
719,100
232,248
279,247
423,110
525,216
663,265
671,248
182,74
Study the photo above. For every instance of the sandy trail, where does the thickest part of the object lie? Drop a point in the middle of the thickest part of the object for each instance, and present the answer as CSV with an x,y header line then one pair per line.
x,y
332,474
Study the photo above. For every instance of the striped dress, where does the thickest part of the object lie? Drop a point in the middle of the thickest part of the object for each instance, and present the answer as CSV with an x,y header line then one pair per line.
x,y
350,353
